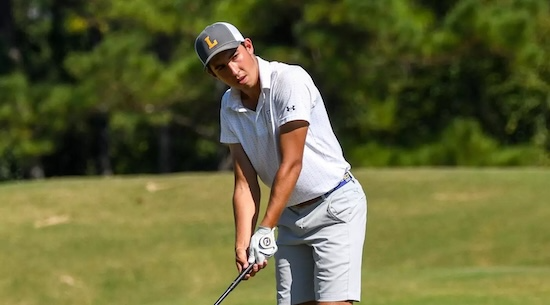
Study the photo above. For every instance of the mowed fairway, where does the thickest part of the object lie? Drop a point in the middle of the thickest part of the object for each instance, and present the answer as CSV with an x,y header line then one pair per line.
x,y
435,236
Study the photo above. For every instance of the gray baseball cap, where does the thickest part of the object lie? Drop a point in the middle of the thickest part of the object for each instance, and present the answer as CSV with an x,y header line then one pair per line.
x,y
216,38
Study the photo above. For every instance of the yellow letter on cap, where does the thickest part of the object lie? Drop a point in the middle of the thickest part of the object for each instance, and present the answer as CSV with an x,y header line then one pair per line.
x,y
210,43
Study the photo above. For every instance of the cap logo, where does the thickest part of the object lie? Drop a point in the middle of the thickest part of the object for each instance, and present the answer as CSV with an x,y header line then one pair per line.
x,y
210,44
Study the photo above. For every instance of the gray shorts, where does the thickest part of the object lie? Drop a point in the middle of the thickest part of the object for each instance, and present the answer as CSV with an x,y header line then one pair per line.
x,y
321,247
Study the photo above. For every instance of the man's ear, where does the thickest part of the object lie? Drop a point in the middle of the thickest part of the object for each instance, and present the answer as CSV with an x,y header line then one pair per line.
x,y
248,45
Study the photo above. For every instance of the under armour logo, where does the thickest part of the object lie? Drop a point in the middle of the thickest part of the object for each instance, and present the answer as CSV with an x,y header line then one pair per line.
x,y
291,108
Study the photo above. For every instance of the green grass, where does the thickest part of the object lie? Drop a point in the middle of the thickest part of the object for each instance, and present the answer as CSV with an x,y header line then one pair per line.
x,y
435,236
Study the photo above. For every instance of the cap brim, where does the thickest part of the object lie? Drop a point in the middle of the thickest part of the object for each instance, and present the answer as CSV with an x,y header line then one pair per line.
x,y
228,46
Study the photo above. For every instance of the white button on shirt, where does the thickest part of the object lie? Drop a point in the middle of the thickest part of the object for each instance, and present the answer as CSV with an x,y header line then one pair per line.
x,y
287,94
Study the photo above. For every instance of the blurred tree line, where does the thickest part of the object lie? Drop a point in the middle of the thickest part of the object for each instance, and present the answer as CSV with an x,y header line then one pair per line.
x,y
95,87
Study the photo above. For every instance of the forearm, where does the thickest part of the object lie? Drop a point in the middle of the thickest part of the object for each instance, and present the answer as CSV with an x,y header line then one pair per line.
x,y
283,186
292,141
246,203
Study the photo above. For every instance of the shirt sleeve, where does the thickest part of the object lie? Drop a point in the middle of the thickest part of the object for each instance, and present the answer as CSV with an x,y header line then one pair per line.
x,y
294,93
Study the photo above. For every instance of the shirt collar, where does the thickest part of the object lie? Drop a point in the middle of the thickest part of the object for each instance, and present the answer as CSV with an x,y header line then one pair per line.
x,y
265,73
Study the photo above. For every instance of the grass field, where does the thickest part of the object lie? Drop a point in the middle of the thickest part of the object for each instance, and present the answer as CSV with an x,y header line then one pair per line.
x,y
435,236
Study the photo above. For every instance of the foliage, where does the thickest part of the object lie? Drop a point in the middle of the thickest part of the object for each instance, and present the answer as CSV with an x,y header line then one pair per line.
x,y
95,87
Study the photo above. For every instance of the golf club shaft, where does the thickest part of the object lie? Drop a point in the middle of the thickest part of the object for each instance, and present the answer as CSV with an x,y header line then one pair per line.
x,y
234,284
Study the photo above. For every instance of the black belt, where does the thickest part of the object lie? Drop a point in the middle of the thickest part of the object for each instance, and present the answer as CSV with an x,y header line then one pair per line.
x,y
347,178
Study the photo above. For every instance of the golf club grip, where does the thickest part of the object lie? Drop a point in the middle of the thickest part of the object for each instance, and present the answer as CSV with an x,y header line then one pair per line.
x,y
235,283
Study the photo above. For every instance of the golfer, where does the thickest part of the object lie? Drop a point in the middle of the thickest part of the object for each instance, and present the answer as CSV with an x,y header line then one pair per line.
x,y
274,121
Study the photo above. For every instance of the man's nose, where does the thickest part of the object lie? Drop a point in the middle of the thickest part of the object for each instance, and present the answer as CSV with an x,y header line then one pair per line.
x,y
234,68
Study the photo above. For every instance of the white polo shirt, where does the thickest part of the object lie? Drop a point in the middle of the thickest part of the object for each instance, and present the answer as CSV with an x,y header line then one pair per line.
x,y
287,94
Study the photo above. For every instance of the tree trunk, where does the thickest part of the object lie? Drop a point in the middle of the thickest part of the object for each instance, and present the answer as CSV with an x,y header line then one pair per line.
x,y
165,151
101,144
9,53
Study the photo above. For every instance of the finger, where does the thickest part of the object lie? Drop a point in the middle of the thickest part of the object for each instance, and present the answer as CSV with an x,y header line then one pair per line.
x,y
263,265
241,265
251,258
252,272
241,259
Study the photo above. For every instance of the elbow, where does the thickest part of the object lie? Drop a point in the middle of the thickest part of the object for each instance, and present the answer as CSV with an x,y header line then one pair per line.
x,y
293,167
297,165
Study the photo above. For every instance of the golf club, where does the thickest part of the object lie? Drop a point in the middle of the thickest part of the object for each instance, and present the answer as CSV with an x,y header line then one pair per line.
x,y
234,284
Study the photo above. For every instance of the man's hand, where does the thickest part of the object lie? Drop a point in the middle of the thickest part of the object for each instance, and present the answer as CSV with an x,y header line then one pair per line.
x,y
262,245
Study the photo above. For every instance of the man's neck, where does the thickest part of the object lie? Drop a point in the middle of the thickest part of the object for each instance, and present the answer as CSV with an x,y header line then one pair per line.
x,y
250,98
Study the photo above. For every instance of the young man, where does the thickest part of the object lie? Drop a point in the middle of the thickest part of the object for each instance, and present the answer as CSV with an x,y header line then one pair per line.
x,y
275,123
